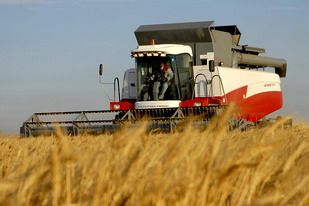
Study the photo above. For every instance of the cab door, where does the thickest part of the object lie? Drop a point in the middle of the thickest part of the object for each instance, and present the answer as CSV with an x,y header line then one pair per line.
x,y
129,89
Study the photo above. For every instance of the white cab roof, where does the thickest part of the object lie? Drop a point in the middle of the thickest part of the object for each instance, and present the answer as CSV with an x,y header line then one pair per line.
x,y
173,49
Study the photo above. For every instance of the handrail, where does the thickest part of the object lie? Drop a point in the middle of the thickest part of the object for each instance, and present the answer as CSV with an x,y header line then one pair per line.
x,y
200,74
116,80
220,84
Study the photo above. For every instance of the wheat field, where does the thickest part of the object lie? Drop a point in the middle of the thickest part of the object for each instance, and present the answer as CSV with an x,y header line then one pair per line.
x,y
267,166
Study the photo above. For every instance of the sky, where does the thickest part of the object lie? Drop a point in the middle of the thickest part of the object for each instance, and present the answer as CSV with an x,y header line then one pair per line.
x,y
50,50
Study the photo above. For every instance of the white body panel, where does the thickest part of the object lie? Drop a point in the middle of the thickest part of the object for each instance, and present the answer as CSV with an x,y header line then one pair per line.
x,y
233,79
257,81
163,48
157,104
201,88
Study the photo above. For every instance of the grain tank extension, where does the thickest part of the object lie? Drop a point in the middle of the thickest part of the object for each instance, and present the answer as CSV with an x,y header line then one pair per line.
x,y
181,69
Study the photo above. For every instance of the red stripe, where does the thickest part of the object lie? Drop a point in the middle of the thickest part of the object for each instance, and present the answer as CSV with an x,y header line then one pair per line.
x,y
257,106
123,105
260,105
252,108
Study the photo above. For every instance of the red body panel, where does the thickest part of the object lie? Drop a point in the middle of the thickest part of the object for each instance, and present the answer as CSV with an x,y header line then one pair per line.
x,y
191,102
257,106
260,105
251,108
204,101
123,105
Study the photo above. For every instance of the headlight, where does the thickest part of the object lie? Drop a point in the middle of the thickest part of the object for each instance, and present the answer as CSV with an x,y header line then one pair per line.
x,y
116,106
197,104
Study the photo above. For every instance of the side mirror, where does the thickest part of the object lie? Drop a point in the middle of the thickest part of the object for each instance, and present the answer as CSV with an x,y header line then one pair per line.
x,y
211,65
101,69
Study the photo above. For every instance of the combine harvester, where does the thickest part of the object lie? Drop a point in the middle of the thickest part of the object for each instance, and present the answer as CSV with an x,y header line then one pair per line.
x,y
182,69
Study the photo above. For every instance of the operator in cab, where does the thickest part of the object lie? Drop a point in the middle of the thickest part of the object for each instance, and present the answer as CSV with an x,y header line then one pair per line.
x,y
167,76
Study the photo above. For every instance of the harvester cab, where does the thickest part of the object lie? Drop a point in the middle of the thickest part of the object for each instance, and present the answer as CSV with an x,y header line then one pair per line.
x,y
181,69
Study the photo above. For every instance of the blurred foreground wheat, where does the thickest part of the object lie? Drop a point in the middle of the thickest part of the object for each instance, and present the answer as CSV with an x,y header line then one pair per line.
x,y
267,166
